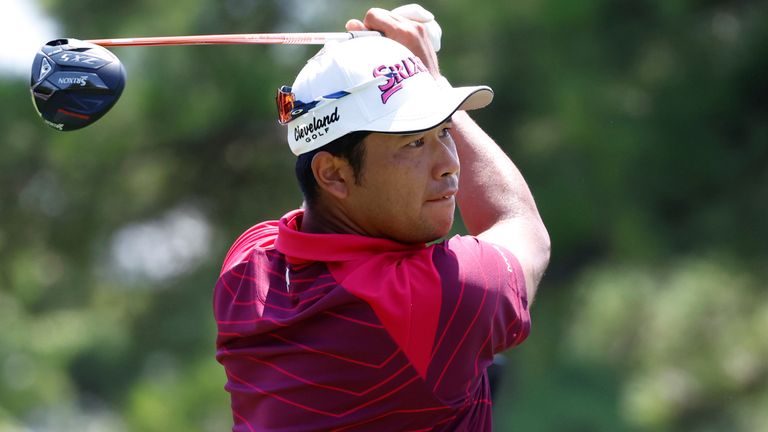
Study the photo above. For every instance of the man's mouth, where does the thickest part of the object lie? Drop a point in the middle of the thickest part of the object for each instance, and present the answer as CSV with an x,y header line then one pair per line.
x,y
448,195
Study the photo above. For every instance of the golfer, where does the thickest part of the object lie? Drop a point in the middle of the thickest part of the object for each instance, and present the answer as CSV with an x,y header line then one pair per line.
x,y
353,312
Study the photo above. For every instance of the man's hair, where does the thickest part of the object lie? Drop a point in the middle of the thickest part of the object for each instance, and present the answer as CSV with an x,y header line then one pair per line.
x,y
348,147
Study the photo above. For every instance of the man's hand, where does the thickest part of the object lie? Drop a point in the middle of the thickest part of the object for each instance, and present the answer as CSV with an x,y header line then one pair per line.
x,y
415,12
413,34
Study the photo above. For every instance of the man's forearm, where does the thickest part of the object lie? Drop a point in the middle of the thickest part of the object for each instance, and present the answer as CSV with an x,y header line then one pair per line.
x,y
496,203
491,188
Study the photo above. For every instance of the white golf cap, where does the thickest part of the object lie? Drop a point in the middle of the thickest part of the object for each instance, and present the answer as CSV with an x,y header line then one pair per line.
x,y
371,84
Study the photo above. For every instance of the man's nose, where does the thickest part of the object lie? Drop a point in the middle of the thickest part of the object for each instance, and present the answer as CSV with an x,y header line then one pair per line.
x,y
447,159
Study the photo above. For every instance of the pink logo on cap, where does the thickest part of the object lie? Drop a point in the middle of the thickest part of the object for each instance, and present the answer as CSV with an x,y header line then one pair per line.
x,y
396,73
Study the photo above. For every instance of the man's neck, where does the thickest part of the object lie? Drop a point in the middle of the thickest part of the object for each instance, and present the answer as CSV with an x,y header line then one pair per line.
x,y
320,220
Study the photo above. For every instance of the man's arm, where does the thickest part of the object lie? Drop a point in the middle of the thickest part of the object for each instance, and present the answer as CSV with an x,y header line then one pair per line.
x,y
494,199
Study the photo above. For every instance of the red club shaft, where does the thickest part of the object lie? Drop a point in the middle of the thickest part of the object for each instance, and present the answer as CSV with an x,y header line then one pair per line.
x,y
246,38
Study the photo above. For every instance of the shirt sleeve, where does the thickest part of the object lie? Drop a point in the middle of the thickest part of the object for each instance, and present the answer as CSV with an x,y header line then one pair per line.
x,y
484,310
492,271
262,235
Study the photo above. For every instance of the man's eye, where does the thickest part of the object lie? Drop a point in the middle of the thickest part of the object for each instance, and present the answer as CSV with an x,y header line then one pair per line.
x,y
418,143
445,132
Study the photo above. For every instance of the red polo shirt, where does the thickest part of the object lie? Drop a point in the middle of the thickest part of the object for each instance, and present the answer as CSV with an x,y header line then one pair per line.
x,y
346,332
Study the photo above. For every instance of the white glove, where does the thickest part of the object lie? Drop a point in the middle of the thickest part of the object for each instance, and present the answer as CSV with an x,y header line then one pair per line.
x,y
417,13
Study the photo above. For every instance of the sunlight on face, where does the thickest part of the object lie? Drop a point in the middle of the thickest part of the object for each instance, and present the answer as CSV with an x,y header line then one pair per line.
x,y
407,191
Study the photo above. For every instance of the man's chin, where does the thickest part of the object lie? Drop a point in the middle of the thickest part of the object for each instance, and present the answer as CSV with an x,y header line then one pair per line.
x,y
427,236
440,230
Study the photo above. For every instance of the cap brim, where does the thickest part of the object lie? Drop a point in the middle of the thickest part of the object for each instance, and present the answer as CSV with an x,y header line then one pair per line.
x,y
422,106
412,117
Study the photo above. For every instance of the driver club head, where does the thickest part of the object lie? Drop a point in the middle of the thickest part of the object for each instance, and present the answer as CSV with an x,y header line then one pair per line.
x,y
74,83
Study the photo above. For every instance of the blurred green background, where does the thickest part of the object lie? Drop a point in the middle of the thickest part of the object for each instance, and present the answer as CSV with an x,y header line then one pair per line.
x,y
641,126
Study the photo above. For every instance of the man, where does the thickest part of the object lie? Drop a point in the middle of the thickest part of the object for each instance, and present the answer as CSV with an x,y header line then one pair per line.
x,y
341,315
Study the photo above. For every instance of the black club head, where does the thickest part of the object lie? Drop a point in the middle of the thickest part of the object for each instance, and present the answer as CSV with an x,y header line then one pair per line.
x,y
74,83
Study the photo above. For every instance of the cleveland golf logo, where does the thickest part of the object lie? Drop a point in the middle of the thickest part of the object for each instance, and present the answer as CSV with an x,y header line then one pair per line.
x,y
396,73
317,128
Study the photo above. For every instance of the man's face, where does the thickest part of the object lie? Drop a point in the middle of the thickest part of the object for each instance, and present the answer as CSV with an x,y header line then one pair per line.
x,y
408,187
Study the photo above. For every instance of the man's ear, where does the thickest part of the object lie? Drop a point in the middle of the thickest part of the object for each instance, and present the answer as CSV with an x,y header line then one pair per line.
x,y
332,174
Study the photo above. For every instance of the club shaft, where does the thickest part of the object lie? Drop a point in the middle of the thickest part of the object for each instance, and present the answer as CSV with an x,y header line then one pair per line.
x,y
246,38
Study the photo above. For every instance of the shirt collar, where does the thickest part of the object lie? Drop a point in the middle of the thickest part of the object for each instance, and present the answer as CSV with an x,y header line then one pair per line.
x,y
301,248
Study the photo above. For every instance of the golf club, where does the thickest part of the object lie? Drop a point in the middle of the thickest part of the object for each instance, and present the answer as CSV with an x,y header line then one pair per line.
x,y
247,38
75,82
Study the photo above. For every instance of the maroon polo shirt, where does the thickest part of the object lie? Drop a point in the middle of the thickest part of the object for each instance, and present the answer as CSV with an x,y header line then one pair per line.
x,y
345,332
